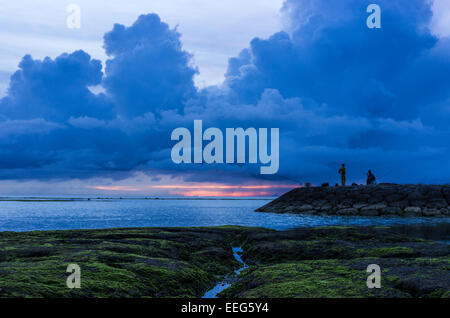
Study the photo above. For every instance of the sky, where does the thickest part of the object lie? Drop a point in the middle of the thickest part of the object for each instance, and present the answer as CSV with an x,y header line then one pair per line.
x,y
212,30
90,111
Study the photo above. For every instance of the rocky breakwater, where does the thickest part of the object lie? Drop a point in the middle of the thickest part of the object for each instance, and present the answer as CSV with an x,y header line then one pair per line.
x,y
373,200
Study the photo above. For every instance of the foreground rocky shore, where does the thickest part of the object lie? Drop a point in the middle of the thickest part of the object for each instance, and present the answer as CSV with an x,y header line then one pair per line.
x,y
186,262
385,199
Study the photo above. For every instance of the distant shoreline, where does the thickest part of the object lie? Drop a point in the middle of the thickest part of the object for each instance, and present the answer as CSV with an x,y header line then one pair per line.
x,y
68,199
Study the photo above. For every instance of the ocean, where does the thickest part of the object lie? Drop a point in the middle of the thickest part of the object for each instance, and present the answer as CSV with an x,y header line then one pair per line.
x,y
27,214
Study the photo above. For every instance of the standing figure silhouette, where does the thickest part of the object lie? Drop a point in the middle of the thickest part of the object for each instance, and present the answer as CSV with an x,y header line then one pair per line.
x,y
342,173
370,177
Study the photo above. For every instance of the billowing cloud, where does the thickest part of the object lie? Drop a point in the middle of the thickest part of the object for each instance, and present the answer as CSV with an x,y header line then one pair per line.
x,y
338,91
55,89
330,56
148,69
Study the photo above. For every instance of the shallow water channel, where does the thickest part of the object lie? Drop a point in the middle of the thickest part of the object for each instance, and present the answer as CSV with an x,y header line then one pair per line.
x,y
227,281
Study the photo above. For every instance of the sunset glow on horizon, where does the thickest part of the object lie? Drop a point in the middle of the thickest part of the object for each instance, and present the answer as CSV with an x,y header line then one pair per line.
x,y
205,190
203,193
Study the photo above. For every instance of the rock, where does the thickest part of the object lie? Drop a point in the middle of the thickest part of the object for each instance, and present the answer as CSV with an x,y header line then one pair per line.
x,y
417,203
349,211
363,197
290,208
433,192
436,203
413,211
392,211
305,207
400,204
359,205
326,208
415,195
329,255
344,205
374,209
375,199
319,203
379,206
446,194
394,197
381,199
430,212
367,212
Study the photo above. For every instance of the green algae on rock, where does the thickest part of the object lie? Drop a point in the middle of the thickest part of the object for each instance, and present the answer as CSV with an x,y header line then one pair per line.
x,y
332,262
186,262
132,262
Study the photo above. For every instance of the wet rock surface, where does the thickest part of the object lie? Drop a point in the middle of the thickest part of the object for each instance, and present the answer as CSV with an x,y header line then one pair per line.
x,y
187,262
372,200
332,262
125,262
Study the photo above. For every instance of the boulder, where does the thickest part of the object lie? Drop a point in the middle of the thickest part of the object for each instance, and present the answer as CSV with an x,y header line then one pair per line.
x,y
395,197
343,206
413,211
368,212
326,207
433,192
390,210
417,203
362,197
304,208
415,195
319,203
446,194
349,211
378,206
400,204
374,209
430,212
436,203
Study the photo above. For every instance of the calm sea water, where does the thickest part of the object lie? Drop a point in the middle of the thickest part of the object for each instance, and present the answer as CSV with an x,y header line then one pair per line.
x,y
96,214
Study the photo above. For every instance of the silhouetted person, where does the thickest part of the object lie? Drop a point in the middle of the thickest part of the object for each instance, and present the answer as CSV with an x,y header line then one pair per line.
x,y
342,173
370,177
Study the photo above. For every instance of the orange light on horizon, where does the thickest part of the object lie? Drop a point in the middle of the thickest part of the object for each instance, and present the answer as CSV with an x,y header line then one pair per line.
x,y
203,190
202,193
219,186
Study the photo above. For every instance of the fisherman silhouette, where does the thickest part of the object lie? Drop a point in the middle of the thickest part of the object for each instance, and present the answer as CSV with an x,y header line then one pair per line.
x,y
370,177
342,173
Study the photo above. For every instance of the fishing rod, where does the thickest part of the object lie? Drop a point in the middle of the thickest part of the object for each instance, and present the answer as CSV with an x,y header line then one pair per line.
x,y
386,174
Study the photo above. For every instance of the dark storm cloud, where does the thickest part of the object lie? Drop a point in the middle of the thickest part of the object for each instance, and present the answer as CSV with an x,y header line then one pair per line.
x,y
333,58
338,91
